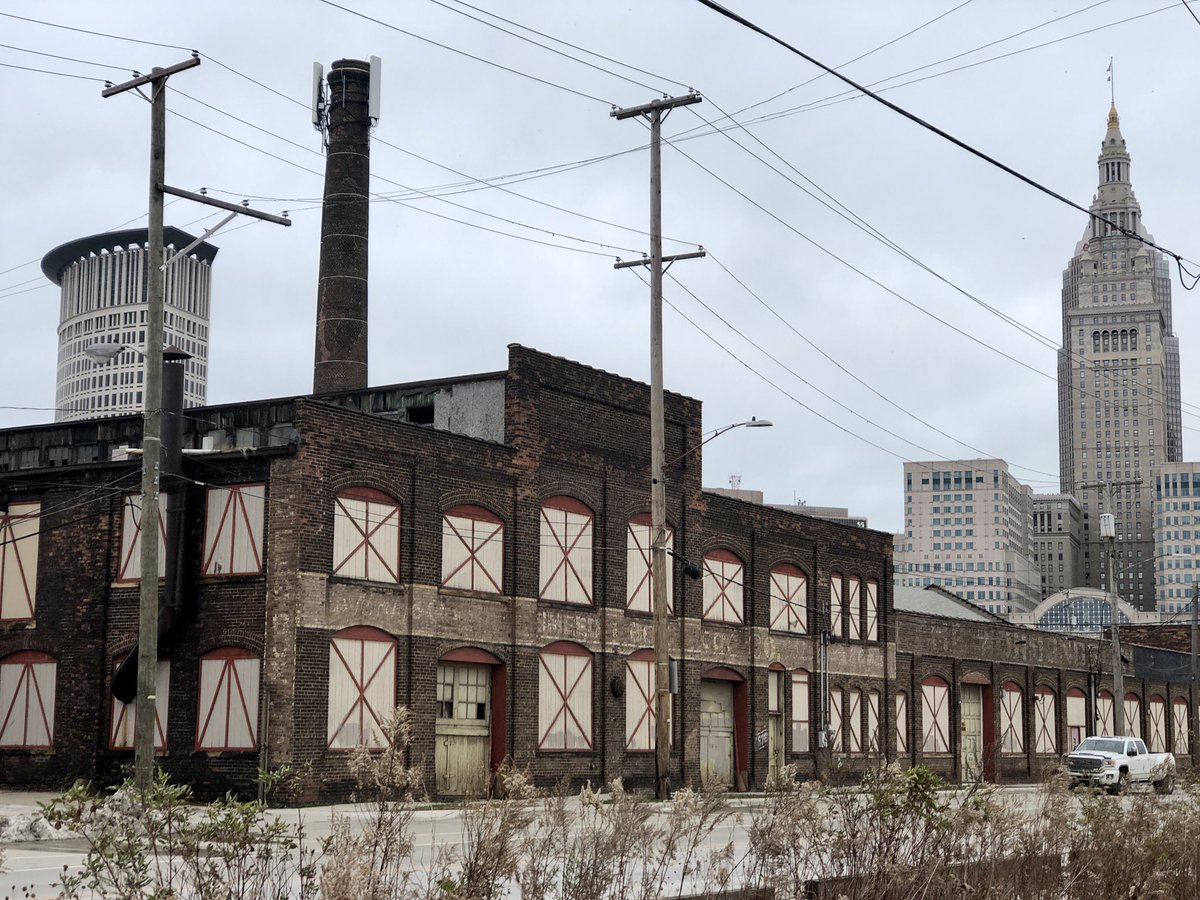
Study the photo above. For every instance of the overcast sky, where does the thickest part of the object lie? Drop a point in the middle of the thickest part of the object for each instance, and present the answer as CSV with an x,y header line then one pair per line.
x,y
447,296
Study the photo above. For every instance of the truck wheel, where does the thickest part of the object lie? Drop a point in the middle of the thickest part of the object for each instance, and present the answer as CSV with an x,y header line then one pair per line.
x,y
1122,784
1165,785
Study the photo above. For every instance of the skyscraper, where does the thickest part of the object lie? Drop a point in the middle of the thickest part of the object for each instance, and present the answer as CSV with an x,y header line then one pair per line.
x,y
1118,377
103,300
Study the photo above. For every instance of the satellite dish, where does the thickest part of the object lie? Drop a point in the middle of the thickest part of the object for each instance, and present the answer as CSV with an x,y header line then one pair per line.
x,y
318,96
373,90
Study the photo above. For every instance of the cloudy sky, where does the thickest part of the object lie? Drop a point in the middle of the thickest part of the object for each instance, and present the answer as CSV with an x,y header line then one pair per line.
x,y
799,315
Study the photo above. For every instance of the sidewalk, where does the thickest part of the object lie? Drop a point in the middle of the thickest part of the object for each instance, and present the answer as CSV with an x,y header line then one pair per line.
x,y
20,818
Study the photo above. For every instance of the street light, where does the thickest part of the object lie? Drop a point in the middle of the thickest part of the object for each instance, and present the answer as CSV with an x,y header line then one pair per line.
x,y
159,468
658,573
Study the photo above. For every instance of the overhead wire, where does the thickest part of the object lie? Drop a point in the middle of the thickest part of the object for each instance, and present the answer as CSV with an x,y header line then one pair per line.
x,y
945,135
51,72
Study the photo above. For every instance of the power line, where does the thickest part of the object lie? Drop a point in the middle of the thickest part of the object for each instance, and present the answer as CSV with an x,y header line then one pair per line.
x,y
1192,11
82,62
479,59
115,37
50,72
945,135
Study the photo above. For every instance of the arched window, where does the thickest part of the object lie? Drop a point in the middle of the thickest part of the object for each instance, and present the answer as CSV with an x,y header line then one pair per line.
x,y
1045,723
472,549
1156,715
1104,337
1104,714
1180,744
1076,718
123,716
1133,715
789,599
837,720
640,721
935,715
228,710
566,551
1124,339
1133,339
872,744
854,604
1095,341
362,688
836,600
901,722
1012,719
872,600
129,566
801,718
27,681
20,526
639,589
565,697
366,536
854,717
233,530
722,587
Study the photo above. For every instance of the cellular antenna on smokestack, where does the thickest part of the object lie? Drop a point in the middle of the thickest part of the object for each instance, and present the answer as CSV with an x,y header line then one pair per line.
x,y
318,100
348,104
373,98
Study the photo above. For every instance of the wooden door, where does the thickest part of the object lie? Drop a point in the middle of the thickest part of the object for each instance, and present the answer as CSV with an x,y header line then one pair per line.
x,y
972,732
775,748
462,730
716,733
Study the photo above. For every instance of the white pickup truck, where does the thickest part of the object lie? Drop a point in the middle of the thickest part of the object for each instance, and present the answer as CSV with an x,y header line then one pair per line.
x,y
1114,763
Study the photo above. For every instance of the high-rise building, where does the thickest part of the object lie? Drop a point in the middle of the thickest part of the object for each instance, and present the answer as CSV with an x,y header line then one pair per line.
x,y
967,528
1118,378
1057,534
103,301
1176,498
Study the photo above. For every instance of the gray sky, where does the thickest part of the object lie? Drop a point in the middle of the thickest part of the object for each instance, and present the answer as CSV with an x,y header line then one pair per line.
x,y
447,297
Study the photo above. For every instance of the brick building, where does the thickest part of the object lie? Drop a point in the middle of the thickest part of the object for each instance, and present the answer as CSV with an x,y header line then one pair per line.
x,y
475,549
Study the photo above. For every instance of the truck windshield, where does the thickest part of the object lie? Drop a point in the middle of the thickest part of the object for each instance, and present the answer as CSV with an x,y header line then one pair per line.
x,y
1102,745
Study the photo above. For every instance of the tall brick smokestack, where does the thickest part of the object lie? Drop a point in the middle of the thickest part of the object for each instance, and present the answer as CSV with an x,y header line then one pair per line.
x,y
340,363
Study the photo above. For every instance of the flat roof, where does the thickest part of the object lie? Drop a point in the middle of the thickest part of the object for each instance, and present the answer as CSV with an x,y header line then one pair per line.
x,y
57,260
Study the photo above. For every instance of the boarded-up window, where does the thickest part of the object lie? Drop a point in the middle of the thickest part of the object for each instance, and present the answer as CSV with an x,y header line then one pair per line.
x,y
1180,745
19,528
362,688
366,536
640,732
639,591
836,719
124,715
566,551
789,599
935,716
722,587
801,719
27,682
853,608
872,598
1156,715
872,745
854,715
835,605
233,530
1076,718
472,550
228,711
1045,727
901,722
129,567
1133,715
565,697
1012,719
1104,714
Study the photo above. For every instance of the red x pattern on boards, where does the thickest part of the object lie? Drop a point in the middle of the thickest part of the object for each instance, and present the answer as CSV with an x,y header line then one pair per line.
x,y
237,527
789,601
18,560
1156,713
722,590
1043,713
26,722
936,713
1012,740
565,720
351,654
374,542
467,539
229,698
572,552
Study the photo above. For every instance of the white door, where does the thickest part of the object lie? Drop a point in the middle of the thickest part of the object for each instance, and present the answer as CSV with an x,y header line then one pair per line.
x,y
972,732
462,729
716,733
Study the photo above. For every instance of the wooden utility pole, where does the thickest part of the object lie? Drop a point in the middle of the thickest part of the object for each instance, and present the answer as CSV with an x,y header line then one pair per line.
x,y
659,564
145,713
1108,530
1195,630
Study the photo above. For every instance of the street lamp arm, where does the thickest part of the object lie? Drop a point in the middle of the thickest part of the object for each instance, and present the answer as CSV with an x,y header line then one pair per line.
x,y
752,422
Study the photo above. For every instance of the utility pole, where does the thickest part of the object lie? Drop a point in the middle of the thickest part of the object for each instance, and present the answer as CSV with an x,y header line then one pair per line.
x,y
654,111
145,713
1195,630
1108,531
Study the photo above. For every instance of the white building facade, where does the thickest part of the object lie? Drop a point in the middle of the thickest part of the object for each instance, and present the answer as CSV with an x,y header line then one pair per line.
x,y
967,528
1118,378
103,300
1176,535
